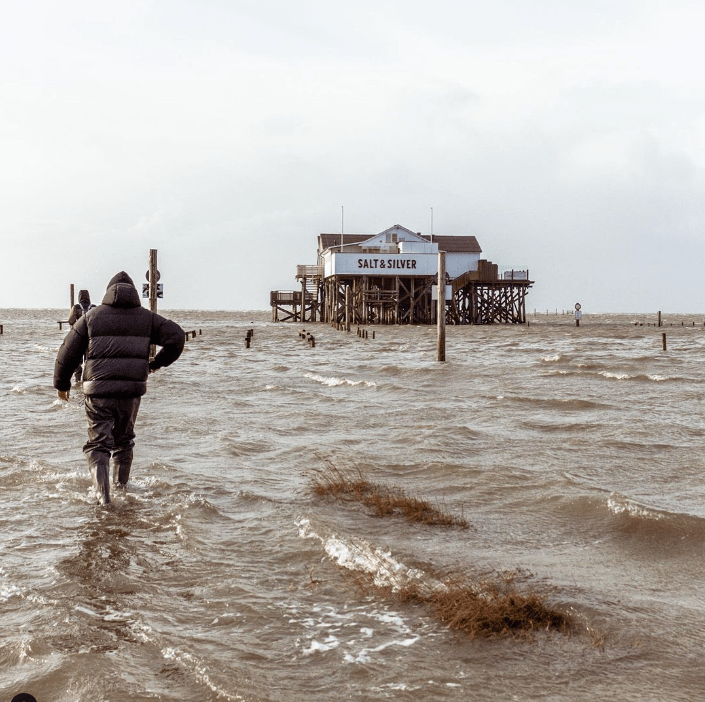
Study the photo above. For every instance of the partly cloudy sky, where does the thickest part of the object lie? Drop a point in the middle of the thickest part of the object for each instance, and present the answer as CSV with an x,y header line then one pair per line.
x,y
568,137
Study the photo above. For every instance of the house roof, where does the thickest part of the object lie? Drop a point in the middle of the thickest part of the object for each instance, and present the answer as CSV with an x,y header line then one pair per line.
x,y
449,244
329,240
455,244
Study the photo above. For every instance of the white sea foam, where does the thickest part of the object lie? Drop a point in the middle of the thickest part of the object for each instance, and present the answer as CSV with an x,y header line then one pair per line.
x,y
552,359
335,382
9,590
616,376
618,504
199,670
331,642
25,648
358,555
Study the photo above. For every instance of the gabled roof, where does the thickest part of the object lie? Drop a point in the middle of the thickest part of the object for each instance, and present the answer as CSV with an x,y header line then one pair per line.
x,y
450,244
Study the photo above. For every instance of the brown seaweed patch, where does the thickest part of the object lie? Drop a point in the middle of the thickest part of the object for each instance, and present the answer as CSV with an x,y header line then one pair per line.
x,y
480,610
488,609
383,500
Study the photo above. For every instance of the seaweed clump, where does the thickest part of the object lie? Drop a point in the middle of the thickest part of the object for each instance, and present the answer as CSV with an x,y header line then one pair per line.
x,y
485,610
383,500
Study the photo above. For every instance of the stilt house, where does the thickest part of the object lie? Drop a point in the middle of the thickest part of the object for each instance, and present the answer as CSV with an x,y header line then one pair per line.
x,y
391,278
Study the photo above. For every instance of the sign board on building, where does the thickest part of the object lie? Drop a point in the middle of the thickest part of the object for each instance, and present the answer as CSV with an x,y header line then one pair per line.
x,y
381,264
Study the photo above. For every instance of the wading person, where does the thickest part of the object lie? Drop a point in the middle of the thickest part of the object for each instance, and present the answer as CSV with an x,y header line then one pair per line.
x,y
77,311
115,338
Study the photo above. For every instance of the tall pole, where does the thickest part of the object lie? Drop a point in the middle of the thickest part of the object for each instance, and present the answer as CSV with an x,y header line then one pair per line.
x,y
432,225
152,291
342,224
347,308
441,311
73,300
153,280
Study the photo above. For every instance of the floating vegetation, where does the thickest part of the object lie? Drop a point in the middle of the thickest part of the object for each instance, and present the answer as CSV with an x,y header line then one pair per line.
x,y
479,609
483,609
383,500
486,609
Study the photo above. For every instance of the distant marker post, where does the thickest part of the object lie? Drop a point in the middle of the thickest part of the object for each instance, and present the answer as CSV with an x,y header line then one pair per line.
x,y
441,309
578,314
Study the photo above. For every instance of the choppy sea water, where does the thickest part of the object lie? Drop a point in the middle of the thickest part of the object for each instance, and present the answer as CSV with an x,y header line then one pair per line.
x,y
575,454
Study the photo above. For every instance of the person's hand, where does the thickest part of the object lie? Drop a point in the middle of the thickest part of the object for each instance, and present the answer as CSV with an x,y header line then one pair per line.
x,y
64,395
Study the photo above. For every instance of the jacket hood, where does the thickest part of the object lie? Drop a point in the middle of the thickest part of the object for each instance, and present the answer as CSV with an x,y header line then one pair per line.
x,y
83,296
121,292
121,277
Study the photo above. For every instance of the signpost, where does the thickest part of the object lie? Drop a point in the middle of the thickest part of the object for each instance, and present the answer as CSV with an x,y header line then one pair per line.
x,y
441,310
152,278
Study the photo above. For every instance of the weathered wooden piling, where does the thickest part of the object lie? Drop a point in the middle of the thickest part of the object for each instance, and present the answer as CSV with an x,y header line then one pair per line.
x,y
659,318
663,340
441,313
152,280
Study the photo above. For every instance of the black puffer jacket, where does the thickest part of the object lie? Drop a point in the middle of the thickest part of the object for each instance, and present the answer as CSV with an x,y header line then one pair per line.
x,y
115,338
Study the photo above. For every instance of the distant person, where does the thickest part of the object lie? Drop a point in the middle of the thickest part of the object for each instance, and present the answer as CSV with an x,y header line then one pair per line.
x,y
77,311
115,338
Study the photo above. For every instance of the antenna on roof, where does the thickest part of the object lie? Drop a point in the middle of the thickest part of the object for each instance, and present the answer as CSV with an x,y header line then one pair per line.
x,y
342,221
432,225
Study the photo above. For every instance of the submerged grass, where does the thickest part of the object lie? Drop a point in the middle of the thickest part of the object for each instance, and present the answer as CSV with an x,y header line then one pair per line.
x,y
480,610
383,500
488,609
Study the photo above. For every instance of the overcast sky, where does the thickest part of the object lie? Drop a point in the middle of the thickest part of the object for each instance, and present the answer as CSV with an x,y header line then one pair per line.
x,y
567,136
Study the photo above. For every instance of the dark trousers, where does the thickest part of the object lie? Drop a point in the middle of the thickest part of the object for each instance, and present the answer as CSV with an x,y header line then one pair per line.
x,y
111,438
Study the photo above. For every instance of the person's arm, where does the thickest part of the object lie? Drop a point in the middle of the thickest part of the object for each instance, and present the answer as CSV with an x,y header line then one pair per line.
x,y
171,337
70,356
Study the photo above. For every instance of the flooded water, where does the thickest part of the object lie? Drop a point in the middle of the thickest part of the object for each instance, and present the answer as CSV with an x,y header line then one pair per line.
x,y
575,454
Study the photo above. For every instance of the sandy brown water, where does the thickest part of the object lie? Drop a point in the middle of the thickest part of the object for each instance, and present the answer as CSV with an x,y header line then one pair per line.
x,y
574,453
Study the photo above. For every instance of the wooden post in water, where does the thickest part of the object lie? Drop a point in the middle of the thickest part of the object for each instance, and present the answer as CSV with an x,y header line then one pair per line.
x,y
441,309
73,302
303,299
659,318
663,340
153,279
347,308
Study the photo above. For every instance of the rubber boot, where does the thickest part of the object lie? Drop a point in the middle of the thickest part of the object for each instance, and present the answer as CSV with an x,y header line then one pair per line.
x,y
121,464
99,464
121,474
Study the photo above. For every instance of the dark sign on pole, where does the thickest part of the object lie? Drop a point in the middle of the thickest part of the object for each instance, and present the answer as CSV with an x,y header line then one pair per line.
x,y
160,290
